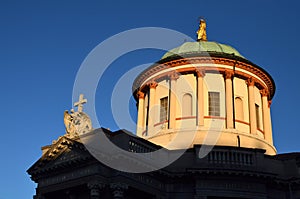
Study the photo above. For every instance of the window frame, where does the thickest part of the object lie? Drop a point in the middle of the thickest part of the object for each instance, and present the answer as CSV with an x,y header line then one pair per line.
x,y
163,109
214,108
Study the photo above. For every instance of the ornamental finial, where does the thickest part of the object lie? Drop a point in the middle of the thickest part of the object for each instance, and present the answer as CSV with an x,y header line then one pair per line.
x,y
201,33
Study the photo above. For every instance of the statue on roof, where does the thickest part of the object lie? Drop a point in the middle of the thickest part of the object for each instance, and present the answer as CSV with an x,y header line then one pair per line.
x,y
77,123
68,120
201,33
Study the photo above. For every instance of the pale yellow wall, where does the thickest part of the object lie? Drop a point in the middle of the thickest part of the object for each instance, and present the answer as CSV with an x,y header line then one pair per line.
x,y
162,90
213,82
241,90
185,84
258,101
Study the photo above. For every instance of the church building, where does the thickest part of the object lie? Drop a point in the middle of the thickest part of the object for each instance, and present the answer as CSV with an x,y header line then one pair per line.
x,y
202,100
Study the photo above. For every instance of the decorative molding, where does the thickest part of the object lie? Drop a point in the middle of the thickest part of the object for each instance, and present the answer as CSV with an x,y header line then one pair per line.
x,y
250,81
264,93
96,185
118,189
214,117
200,72
261,131
269,103
228,74
187,117
173,76
152,84
118,185
154,69
159,123
242,122
141,95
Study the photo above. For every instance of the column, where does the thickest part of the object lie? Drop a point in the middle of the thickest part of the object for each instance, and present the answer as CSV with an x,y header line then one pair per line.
x,y
118,190
200,97
229,103
253,127
141,114
152,108
270,121
172,117
95,188
266,116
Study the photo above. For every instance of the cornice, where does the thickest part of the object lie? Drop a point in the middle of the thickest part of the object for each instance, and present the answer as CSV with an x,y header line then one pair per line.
x,y
234,63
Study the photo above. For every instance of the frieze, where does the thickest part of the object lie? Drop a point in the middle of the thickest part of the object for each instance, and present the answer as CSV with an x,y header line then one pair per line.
x,y
225,61
68,176
149,181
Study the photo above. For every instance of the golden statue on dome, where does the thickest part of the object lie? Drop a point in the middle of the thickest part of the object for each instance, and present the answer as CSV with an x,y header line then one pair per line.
x,y
202,31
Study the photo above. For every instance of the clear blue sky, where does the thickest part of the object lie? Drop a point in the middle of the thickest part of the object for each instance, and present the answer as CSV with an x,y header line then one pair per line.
x,y
43,43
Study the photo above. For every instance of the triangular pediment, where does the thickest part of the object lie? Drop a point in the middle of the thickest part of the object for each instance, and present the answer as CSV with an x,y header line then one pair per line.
x,y
63,153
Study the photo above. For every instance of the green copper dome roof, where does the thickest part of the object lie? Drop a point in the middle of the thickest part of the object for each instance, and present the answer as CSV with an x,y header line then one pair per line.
x,y
200,47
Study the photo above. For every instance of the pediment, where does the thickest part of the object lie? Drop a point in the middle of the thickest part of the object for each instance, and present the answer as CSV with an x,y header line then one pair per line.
x,y
64,153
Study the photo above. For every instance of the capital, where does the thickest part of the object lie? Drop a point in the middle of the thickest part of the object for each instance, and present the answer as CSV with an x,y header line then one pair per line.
x,y
140,95
264,92
96,185
153,84
250,81
173,76
118,189
228,74
200,72
269,103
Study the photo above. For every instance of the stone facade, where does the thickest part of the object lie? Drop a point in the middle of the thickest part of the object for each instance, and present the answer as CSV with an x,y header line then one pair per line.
x,y
68,170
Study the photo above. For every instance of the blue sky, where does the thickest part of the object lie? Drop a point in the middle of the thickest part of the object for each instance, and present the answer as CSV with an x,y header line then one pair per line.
x,y
43,43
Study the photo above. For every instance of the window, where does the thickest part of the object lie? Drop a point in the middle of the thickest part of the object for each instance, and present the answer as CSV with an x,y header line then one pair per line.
x,y
164,109
257,116
239,110
214,103
187,105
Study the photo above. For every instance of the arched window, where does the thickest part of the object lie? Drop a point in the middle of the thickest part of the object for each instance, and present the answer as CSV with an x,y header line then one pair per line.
x,y
239,109
187,106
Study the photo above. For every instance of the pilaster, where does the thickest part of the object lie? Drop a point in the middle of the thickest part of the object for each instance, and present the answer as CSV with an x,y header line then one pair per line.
x,y
141,113
253,126
152,110
200,97
172,117
266,116
229,99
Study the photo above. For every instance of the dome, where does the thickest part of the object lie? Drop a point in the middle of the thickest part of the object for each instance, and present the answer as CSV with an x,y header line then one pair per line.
x,y
200,47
